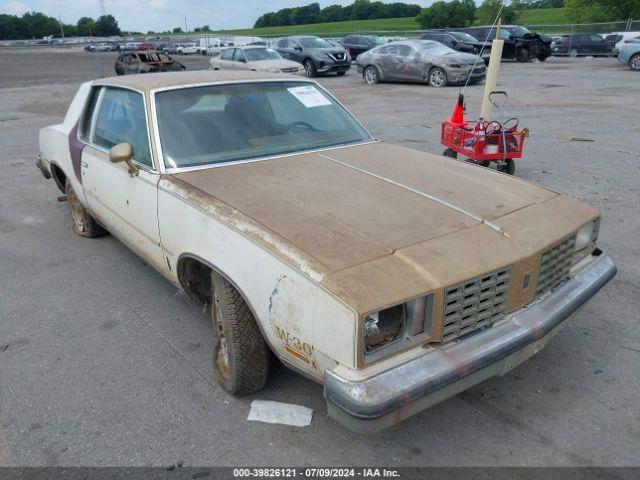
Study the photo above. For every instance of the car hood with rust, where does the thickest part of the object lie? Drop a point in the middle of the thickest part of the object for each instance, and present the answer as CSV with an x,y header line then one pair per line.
x,y
366,216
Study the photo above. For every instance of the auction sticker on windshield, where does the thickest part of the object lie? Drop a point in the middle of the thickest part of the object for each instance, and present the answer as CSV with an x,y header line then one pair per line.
x,y
309,96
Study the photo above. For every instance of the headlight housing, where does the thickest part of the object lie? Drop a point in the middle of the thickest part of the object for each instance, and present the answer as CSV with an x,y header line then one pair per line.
x,y
273,70
586,239
395,328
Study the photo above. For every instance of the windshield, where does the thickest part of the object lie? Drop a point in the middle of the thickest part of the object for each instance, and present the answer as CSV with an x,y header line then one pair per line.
x,y
464,37
433,48
314,42
257,54
223,123
520,31
376,40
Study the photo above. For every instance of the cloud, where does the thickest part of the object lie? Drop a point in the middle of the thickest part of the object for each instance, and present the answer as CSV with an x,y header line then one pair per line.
x,y
16,8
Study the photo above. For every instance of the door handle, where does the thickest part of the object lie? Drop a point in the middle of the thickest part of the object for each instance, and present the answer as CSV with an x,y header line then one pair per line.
x,y
84,164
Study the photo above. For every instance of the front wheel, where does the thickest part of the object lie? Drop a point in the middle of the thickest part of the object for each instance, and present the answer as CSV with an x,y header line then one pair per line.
x,y
437,77
634,63
241,357
83,223
451,153
371,76
310,68
522,55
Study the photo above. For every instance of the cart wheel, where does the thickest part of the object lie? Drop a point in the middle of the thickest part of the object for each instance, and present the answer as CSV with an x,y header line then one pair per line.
x,y
450,153
483,163
508,166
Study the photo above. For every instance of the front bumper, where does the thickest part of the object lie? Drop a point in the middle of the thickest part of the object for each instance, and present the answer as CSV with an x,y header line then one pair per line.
x,y
371,404
329,66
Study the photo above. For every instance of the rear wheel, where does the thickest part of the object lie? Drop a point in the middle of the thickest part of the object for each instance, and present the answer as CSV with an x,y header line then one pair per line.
x,y
508,166
634,63
310,69
437,77
241,357
371,75
83,223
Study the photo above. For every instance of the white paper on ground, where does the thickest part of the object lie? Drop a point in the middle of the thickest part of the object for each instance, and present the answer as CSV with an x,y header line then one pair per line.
x,y
309,96
276,412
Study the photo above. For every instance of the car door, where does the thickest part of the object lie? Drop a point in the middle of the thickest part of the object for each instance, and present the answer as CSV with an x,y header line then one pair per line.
x,y
391,62
410,66
240,60
225,59
600,46
297,52
125,203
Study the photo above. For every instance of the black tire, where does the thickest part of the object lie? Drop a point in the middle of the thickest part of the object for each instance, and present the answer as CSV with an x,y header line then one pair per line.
x,y
542,58
437,77
241,357
371,75
83,223
449,152
509,166
634,62
310,68
522,55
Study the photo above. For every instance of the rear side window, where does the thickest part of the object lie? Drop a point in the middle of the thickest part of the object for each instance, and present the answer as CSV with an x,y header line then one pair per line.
x,y
122,119
85,127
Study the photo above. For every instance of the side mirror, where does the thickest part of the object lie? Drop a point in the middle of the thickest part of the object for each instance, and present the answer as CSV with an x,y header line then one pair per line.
x,y
297,48
123,152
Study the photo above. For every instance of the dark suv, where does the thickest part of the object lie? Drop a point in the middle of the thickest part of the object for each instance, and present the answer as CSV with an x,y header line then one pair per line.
x,y
519,43
357,44
317,55
581,44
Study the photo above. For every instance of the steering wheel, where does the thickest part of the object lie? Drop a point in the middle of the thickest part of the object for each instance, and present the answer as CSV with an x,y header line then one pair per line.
x,y
306,125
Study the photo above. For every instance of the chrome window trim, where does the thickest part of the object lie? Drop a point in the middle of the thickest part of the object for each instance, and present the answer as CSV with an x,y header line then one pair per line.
x,y
170,170
91,142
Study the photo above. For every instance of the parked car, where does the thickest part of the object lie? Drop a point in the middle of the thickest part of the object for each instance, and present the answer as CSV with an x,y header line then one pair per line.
x,y
186,49
99,47
519,43
420,61
127,47
580,45
255,58
266,202
461,42
620,38
333,42
357,44
315,54
146,61
630,54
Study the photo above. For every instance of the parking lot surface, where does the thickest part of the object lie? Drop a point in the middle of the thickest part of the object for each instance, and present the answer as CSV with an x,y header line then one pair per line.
x,y
103,363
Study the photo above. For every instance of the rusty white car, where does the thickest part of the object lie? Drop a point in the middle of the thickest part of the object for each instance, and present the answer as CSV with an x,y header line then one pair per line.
x,y
254,58
393,277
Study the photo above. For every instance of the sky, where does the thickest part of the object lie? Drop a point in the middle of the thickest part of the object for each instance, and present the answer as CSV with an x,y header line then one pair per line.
x,y
161,15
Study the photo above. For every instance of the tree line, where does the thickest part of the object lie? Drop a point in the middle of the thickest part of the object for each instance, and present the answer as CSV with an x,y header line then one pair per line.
x,y
358,10
36,25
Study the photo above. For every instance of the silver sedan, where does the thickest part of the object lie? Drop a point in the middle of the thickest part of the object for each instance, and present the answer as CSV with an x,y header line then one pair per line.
x,y
420,61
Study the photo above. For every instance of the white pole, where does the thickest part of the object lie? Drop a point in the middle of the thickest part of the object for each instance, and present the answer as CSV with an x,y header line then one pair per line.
x,y
493,71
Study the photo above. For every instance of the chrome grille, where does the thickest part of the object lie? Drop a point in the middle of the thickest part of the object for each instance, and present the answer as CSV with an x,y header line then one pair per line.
x,y
555,264
475,304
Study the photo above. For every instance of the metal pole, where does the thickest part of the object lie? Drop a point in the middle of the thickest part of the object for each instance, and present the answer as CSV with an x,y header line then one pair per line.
x,y
61,27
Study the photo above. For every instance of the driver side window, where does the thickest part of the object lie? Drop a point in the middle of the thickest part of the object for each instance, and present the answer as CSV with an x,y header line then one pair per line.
x,y
122,119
